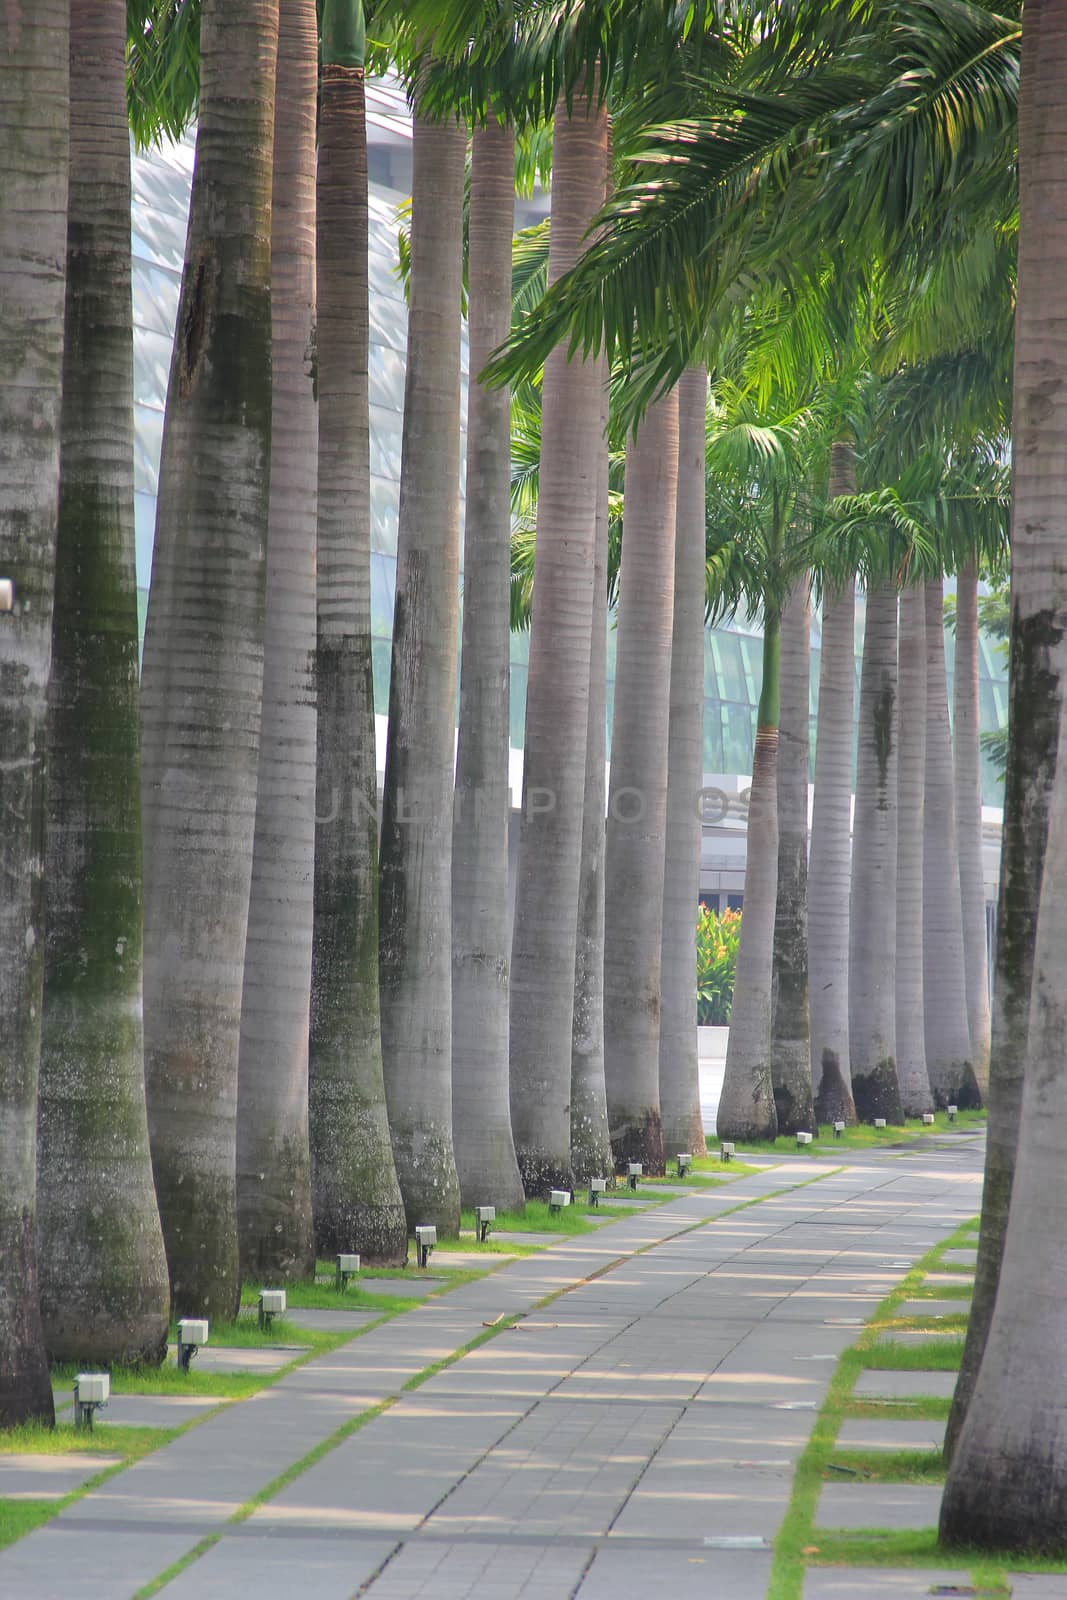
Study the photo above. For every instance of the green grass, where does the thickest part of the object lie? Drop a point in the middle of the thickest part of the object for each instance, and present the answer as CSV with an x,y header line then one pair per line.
x,y
325,1297
886,1466
19,1517
33,1439
536,1218
861,1137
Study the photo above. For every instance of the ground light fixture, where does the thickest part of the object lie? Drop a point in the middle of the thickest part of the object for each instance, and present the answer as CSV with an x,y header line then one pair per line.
x,y
685,1161
804,1138
7,594
952,1110
879,1122
271,1305
633,1172
484,1217
597,1187
425,1240
192,1333
347,1267
726,1152
928,1119
839,1129
557,1199
91,1390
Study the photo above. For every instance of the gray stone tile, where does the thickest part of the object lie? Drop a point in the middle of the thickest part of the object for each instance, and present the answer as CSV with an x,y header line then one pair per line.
x,y
404,1288
960,1257
934,1308
435,1569
703,1574
262,1358
270,1567
919,1336
1038,1585
949,1280
675,1502
863,1583
48,1477
322,1320
878,1505
153,1410
895,1385
862,1433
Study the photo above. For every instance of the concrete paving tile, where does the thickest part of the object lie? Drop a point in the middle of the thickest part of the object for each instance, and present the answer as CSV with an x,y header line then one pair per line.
x,y
62,1562
48,1477
1038,1586
961,1257
878,1505
153,1410
330,1321
872,1384
861,1583
862,1433
948,1280
263,1358
273,1567
434,1569
933,1308
623,1569
407,1288
674,1502
919,1336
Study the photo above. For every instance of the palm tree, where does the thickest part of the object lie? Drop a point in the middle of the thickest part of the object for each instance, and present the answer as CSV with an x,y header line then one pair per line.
x,y
103,1273
549,866
485,1151
415,963
356,1199
637,792
203,661
968,782
790,1037
33,226
912,1076
948,1040
679,1082
872,913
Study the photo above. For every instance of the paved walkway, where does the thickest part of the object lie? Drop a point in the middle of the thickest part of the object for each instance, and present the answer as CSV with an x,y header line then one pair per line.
x,y
637,1433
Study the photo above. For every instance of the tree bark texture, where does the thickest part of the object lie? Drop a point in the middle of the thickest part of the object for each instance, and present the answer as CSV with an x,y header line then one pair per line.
x,y
637,791
485,1150
790,1038
915,1096
415,899
968,776
34,120
679,1080
872,910
273,1157
103,1273
557,710
202,676
948,1037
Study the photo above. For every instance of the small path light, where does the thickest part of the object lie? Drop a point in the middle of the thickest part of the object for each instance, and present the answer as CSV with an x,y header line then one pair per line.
x,y
952,1110
928,1119
726,1152
839,1128
347,1267
557,1199
597,1187
271,1305
484,1217
7,597
91,1389
192,1333
425,1240
633,1172
879,1122
804,1138
685,1161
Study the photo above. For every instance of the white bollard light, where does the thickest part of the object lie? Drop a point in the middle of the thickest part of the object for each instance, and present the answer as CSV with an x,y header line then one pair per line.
x,y
425,1240
347,1267
726,1152
484,1217
272,1304
633,1172
879,1122
839,1128
557,1199
597,1187
192,1333
804,1138
91,1390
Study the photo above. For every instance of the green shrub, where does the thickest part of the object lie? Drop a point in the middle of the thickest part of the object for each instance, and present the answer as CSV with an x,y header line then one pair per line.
x,y
717,938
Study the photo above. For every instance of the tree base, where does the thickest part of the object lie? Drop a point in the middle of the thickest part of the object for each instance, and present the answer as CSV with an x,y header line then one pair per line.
x,y
877,1093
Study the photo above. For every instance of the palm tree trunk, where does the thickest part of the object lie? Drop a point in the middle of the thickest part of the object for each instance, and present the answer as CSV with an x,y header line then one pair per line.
x,y
968,778
356,1197
1005,1483
103,1272
948,1039
415,960
829,864
557,711
637,791
273,1158
912,1076
790,1038
34,72
202,677
872,911
746,1104
590,1141
679,1079
485,1151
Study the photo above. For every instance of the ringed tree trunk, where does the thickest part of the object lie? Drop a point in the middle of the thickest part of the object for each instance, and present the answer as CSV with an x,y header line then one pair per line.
x,y
590,1141
103,1273
948,1038
34,71
679,1078
1038,664
202,677
415,953
637,791
968,776
485,1150
273,1158
914,1083
746,1105
872,911
557,712
356,1200
790,1038
829,864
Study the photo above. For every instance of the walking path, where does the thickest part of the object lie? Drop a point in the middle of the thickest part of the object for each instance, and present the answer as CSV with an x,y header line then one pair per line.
x,y
636,1433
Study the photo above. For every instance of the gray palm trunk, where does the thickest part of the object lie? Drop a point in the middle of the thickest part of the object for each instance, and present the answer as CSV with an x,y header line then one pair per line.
x,y
273,1159
948,1038
103,1273
679,1081
1006,1480
872,911
829,860
637,791
557,712
790,1037
355,1193
34,71
202,677
968,778
485,1151
590,1140
415,960
912,1076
